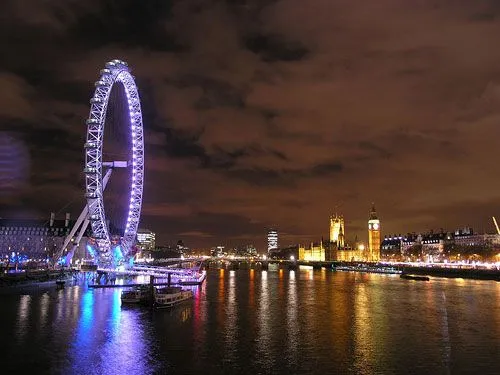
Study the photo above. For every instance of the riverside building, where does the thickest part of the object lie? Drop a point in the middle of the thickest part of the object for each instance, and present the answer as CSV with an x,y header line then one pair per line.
x,y
34,239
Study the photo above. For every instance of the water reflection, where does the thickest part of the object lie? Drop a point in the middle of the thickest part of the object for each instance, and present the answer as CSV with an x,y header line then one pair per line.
x,y
109,339
23,315
82,346
221,293
200,316
230,332
251,289
125,348
264,329
44,307
323,273
185,313
363,324
339,318
334,323
292,324
446,348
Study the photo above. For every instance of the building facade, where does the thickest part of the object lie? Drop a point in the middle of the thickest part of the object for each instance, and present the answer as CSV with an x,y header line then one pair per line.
x,y
435,247
146,239
358,254
33,239
337,249
315,252
337,230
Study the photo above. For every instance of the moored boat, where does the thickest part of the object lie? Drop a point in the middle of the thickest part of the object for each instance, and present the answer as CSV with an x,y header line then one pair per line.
x,y
171,296
88,265
136,295
414,277
369,269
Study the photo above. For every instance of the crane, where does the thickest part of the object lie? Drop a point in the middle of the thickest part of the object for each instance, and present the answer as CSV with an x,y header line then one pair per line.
x,y
496,224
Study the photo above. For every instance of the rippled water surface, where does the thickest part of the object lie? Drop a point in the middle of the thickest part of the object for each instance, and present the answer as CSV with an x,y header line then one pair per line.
x,y
258,322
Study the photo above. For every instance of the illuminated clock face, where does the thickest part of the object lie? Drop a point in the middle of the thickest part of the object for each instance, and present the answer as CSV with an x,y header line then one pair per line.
x,y
375,226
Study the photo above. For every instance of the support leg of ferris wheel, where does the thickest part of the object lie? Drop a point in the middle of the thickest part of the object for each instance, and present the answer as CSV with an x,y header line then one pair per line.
x,y
83,218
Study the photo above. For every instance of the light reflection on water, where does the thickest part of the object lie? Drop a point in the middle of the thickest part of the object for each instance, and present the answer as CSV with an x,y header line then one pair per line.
x,y
231,316
263,339
292,326
109,338
251,321
363,347
23,314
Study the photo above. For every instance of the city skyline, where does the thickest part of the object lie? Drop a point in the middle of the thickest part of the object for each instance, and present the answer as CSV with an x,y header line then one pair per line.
x,y
319,107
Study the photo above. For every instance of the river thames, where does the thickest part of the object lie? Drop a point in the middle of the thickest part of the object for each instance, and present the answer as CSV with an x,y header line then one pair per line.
x,y
260,322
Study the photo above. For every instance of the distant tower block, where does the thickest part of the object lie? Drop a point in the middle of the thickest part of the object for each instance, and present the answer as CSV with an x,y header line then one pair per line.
x,y
272,240
373,236
337,230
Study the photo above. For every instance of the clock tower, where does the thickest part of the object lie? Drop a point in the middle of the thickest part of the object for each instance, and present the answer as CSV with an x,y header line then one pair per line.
x,y
373,236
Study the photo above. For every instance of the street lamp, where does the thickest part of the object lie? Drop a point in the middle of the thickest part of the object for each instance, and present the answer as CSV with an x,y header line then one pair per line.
x,y
292,258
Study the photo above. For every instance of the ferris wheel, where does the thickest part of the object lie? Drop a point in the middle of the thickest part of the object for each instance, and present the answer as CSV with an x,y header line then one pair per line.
x,y
97,171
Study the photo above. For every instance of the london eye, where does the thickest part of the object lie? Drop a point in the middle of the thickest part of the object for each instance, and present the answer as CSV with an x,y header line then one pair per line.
x,y
115,91
98,171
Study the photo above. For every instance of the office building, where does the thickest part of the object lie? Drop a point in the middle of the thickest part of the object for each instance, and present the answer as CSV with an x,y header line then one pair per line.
x,y
272,240
146,239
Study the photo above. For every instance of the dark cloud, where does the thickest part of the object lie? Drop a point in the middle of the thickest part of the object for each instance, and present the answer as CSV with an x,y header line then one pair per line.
x,y
184,145
215,93
275,48
266,113
285,177
126,24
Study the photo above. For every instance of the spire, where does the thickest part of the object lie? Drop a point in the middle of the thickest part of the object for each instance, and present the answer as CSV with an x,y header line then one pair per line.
x,y
373,213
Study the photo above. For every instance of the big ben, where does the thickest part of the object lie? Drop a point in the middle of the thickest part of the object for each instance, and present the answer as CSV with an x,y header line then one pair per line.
x,y
373,236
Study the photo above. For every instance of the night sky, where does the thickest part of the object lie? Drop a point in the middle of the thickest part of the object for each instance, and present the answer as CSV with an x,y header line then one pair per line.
x,y
263,113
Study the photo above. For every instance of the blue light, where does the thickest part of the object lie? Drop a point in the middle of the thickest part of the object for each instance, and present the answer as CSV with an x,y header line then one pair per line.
x,y
118,253
91,251
117,256
84,333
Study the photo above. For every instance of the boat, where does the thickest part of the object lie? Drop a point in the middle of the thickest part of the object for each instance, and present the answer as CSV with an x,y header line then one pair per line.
x,y
136,295
414,277
88,265
171,296
369,269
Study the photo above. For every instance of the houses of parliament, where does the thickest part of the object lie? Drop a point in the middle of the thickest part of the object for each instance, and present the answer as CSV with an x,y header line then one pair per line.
x,y
336,248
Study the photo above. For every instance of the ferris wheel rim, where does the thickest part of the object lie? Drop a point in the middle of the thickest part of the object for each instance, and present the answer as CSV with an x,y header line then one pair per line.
x,y
115,71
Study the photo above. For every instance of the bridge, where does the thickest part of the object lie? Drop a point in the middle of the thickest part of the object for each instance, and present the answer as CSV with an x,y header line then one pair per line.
x,y
236,263
175,275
